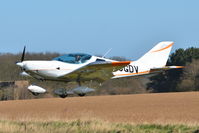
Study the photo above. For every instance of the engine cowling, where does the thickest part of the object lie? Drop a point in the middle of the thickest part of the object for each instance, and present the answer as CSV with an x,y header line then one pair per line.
x,y
36,90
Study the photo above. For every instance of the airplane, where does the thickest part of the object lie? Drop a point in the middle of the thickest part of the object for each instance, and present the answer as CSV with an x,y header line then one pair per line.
x,y
80,67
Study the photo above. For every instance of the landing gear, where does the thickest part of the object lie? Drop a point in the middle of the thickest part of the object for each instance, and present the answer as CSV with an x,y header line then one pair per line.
x,y
78,81
80,91
61,92
63,96
81,95
36,90
35,94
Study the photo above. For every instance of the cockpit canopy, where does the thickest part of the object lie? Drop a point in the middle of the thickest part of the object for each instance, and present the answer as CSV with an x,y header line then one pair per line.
x,y
77,58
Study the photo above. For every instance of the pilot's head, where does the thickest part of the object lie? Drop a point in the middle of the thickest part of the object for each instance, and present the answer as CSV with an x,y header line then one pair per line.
x,y
78,58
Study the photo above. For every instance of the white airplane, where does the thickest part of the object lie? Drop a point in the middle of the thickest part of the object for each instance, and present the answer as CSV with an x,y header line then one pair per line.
x,y
84,67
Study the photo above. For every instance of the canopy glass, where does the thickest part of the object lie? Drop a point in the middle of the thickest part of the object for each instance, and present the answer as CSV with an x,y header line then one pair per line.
x,y
76,58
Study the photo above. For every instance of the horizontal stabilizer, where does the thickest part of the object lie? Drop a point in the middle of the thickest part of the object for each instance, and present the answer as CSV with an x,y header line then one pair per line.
x,y
165,68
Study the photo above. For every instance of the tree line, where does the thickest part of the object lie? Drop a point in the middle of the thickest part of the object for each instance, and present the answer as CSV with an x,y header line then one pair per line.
x,y
177,80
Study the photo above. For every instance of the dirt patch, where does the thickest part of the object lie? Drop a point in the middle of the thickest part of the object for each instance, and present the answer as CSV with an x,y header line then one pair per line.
x,y
161,108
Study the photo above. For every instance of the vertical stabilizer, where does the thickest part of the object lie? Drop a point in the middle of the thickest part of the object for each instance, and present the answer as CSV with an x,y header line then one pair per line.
x,y
157,56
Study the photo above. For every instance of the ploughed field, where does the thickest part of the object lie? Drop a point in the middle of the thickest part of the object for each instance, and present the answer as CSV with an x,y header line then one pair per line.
x,y
158,108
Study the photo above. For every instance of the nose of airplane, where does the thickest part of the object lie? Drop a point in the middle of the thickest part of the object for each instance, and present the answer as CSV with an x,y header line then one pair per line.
x,y
20,64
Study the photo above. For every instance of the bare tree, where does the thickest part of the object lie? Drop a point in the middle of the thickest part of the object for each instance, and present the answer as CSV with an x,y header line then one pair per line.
x,y
190,77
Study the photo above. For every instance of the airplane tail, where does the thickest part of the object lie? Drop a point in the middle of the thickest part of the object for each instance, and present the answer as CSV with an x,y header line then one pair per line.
x,y
153,61
157,57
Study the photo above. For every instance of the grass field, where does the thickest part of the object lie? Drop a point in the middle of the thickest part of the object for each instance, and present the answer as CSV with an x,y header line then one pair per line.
x,y
165,112
79,126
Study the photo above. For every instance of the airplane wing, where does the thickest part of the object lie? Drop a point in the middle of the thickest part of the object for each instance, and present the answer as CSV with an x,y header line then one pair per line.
x,y
99,71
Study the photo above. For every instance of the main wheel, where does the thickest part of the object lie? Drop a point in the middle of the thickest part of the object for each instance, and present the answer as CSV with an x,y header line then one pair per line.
x,y
81,95
63,96
35,94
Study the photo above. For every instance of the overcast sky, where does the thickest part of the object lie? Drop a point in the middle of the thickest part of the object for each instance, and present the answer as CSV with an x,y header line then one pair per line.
x,y
130,27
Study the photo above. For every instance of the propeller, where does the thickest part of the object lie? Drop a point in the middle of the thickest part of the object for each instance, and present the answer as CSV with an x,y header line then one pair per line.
x,y
19,63
23,54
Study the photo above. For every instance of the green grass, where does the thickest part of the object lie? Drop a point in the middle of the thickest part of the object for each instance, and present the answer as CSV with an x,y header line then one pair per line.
x,y
93,126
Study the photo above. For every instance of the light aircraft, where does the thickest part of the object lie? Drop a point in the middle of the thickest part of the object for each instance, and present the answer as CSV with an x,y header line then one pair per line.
x,y
81,67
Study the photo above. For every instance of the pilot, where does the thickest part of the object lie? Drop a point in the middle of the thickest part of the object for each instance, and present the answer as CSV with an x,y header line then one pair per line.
x,y
77,58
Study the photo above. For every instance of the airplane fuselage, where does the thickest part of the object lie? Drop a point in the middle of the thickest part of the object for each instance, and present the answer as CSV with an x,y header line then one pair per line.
x,y
55,70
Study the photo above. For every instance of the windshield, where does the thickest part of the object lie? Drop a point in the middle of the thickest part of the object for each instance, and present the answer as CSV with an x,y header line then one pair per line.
x,y
73,58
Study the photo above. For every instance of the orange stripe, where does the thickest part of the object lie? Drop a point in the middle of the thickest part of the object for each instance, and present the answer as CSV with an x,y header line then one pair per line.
x,y
121,63
180,67
163,48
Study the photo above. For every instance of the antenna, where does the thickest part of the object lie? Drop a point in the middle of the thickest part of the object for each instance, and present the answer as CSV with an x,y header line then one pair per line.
x,y
107,52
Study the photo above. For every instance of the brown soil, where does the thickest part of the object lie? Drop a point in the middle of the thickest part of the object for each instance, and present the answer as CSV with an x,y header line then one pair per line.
x,y
159,108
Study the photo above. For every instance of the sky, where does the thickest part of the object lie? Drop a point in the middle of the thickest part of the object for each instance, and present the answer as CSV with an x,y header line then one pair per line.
x,y
129,27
